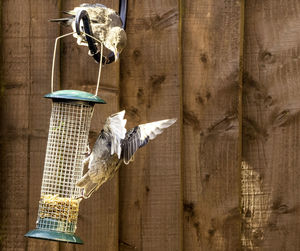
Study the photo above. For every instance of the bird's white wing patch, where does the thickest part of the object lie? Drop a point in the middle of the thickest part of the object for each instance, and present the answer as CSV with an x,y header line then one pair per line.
x,y
153,129
116,125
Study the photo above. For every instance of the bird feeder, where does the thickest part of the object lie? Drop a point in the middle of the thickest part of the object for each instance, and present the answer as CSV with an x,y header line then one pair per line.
x,y
67,145
70,121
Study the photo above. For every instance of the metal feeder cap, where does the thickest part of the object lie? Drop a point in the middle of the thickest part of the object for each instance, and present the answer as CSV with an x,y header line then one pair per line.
x,y
75,95
54,236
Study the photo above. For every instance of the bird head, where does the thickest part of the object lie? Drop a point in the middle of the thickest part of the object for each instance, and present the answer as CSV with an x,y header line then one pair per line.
x,y
116,41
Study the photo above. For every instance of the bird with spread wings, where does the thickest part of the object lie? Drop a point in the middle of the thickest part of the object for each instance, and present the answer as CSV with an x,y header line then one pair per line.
x,y
116,145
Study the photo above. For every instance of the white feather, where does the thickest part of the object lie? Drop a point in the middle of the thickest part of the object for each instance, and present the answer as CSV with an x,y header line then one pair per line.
x,y
115,124
153,129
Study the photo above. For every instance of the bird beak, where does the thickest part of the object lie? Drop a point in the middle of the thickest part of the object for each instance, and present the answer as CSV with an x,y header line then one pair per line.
x,y
117,54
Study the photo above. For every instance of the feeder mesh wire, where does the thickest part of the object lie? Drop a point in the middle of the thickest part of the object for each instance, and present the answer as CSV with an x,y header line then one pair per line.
x,y
66,147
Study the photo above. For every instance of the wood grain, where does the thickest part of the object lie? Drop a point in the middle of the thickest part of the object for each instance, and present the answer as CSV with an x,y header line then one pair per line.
x,y
211,36
271,125
24,49
98,216
150,187
42,35
15,80
188,189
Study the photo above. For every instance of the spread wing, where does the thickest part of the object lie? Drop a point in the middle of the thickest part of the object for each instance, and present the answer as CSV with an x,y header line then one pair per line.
x,y
115,125
140,136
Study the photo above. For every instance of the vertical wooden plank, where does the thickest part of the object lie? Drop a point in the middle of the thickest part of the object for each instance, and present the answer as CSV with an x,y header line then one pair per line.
x,y
25,39
212,32
15,81
271,126
42,35
150,187
98,216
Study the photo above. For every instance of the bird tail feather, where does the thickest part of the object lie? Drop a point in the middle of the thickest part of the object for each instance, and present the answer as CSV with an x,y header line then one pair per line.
x,y
89,189
65,20
87,184
84,180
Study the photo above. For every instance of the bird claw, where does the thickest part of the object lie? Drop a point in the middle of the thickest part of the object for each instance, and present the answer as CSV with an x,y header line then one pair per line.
x,y
88,149
86,160
80,197
90,53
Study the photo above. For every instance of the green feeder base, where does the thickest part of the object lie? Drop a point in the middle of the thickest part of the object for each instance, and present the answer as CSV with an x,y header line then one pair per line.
x,y
54,236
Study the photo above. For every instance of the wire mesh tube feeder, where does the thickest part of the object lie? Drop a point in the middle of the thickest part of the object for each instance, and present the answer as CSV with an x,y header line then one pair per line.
x,y
70,120
67,144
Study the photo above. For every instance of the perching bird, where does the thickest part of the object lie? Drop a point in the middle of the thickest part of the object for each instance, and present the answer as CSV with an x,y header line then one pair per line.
x,y
113,146
106,26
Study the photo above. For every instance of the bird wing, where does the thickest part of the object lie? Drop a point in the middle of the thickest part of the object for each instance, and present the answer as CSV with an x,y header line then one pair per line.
x,y
140,136
115,124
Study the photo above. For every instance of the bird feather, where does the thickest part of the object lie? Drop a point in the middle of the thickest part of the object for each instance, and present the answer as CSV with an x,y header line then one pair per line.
x,y
115,124
115,145
153,129
140,136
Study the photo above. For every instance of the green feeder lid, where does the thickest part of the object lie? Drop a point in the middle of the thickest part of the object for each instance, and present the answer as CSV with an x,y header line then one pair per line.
x,y
54,236
75,95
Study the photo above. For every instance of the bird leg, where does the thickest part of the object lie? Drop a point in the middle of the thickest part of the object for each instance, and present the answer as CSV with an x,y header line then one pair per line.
x,y
88,152
88,149
81,195
86,160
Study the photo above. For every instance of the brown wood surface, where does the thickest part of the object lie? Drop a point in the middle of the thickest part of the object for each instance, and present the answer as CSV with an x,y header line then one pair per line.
x,y
25,54
271,126
195,187
14,128
42,35
150,187
211,36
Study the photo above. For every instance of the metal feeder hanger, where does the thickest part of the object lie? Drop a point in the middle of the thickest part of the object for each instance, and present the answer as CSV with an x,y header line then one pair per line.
x,y
70,120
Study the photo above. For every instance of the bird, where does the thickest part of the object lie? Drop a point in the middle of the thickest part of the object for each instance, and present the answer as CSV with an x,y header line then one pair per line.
x,y
114,146
105,23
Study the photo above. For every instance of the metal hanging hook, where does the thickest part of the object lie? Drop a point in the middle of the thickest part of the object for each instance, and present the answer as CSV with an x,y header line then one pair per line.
x,y
84,16
54,56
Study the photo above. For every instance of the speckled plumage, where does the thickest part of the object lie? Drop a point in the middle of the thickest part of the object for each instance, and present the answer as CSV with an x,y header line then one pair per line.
x,y
113,146
102,165
106,26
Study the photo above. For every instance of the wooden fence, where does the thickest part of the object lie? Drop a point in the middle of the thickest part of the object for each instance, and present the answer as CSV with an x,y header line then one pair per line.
x,y
225,177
